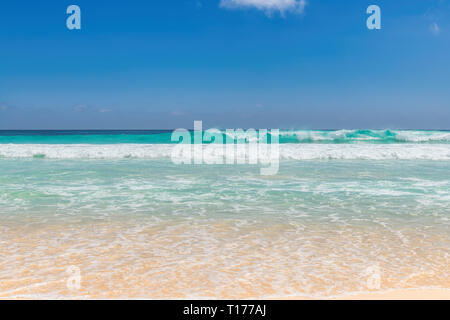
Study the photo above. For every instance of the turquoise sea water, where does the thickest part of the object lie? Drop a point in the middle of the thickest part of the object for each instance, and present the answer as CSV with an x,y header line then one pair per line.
x,y
342,201
164,136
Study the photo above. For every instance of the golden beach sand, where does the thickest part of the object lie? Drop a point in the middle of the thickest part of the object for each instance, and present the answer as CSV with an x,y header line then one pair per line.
x,y
184,260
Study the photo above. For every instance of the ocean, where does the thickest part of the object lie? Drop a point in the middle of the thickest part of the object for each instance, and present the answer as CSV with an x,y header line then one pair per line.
x,y
348,211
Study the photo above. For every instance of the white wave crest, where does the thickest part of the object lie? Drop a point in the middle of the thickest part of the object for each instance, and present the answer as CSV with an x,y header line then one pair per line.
x,y
287,151
365,152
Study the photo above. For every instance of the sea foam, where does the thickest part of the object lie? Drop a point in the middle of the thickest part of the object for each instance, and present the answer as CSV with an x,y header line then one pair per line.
x,y
287,151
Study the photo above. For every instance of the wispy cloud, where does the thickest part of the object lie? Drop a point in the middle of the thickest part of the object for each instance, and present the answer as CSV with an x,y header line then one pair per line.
x,y
177,113
435,13
435,29
80,107
86,108
268,6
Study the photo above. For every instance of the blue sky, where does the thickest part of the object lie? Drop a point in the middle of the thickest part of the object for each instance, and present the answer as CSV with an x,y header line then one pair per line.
x,y
232,63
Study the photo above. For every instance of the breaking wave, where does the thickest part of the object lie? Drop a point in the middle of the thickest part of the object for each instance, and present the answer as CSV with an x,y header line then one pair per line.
x,y
287,151
285,136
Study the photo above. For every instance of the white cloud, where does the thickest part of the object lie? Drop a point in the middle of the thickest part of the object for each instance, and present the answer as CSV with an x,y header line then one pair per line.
x,y
80,107
268,6
435,28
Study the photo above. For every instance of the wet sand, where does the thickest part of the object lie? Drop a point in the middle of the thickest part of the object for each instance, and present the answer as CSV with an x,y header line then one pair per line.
x,y
404,294
223,260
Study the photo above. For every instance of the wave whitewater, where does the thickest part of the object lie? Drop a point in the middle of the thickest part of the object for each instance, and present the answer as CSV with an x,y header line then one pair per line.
x,y
368,136
287,151
285,136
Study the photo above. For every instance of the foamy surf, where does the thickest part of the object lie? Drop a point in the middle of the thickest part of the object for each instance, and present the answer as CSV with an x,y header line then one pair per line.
x,y
438,152
343,136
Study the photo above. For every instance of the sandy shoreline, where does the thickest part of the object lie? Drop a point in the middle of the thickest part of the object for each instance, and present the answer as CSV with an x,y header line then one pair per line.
x,y
402,294
399,294
407,294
